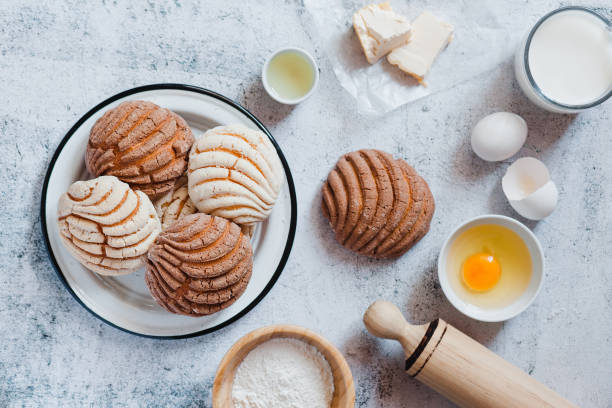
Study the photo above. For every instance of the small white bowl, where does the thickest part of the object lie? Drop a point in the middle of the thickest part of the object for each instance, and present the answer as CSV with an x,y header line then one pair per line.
x,y
537,273
272,93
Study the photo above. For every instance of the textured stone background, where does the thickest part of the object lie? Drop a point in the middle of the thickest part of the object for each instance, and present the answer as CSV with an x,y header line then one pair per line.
x,y
58,59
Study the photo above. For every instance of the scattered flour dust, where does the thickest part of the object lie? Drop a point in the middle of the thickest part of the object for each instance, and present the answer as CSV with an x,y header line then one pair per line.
x,y
283,373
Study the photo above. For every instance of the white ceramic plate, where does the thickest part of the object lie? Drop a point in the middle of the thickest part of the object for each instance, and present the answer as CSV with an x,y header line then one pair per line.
x,y
124,301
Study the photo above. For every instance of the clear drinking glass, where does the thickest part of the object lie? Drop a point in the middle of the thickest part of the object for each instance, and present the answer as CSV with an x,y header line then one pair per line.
x,y
526,80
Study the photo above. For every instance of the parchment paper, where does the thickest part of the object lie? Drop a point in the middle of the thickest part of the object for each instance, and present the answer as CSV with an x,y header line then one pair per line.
x,y
480,42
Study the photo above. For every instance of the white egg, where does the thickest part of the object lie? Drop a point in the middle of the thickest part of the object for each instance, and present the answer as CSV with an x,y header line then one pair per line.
x,y
499,136
529,189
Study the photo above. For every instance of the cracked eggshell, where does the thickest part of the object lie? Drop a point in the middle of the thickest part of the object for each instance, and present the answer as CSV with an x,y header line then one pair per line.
x,y
529,189
499,136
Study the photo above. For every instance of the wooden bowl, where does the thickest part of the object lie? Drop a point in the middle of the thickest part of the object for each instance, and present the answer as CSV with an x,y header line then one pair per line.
x,y
344,389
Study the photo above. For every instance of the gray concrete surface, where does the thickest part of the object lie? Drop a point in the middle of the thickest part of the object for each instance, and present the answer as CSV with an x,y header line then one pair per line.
x,y
58,59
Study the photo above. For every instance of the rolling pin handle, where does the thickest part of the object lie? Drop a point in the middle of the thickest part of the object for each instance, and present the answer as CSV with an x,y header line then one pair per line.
x,y
383,319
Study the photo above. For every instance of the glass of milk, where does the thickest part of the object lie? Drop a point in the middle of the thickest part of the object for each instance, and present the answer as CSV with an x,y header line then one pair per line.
x,y
564,63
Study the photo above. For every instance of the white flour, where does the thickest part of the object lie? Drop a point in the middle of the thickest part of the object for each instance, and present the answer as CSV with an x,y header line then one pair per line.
x,y
283,373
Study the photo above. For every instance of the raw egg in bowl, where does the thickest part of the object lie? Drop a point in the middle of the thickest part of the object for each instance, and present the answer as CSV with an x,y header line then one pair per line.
x,y
491,268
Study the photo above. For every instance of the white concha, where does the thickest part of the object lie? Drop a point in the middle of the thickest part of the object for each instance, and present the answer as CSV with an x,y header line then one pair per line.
x,y
175,204
235,173
106,225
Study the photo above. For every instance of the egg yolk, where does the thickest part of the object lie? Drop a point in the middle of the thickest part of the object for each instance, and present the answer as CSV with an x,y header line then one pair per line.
x,y
480,272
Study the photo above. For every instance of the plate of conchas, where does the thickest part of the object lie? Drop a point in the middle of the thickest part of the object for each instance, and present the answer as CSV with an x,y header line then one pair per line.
x,y
168,211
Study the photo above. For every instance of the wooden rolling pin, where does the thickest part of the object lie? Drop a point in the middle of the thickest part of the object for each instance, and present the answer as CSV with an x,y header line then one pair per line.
x,y
457,366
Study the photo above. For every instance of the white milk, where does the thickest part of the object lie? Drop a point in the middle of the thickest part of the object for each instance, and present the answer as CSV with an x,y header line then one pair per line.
x,y
570,60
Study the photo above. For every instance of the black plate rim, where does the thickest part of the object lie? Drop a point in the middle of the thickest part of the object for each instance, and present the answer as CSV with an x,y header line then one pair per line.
x,y
188,88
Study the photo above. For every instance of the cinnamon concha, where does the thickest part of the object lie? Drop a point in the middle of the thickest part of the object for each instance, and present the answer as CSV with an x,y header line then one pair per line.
x,y
377,206
174,204
142,144
106,225
235,173
199,266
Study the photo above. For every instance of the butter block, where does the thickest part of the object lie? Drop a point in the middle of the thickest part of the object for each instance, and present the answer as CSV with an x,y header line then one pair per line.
x,y
380,30
429,37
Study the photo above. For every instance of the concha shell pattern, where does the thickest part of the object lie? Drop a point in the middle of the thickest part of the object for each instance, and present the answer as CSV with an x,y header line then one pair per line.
x,y
199,266
235,173
106,225
378,206
142,144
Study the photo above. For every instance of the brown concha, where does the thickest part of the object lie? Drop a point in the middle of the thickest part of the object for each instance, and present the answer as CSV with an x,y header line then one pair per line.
x,y
142,144
199,266
378,206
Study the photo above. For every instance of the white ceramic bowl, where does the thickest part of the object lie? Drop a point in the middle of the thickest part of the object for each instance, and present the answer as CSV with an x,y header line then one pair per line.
x,y
537,274
272,93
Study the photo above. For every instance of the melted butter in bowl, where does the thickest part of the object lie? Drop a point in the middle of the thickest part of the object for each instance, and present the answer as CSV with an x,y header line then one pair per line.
x,y
290,75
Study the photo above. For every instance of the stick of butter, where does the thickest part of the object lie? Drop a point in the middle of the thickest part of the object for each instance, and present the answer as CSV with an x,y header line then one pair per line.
x,y
380,30
429,36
